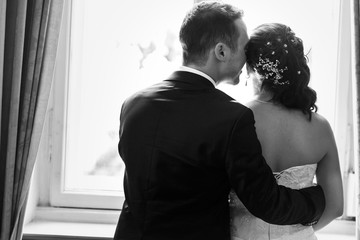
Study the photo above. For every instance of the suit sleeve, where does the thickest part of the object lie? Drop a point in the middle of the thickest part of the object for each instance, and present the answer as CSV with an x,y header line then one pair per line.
x,y
253,181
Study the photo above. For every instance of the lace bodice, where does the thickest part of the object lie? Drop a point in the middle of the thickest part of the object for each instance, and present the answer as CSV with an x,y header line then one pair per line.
x,y
244,226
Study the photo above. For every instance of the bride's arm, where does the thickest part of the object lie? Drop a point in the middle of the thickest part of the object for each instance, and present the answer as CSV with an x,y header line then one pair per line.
x,y
329,177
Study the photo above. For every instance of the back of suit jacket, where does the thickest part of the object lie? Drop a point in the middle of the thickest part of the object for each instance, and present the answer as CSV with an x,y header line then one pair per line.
x,y
185,144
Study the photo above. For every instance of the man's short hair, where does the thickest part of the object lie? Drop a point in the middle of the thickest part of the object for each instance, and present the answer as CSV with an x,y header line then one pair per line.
x,y
205,25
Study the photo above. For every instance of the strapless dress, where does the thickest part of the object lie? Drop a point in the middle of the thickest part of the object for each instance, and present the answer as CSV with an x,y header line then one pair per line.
x,y
245,226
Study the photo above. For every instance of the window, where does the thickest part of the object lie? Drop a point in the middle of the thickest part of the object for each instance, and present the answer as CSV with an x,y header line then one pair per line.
x,y
111,48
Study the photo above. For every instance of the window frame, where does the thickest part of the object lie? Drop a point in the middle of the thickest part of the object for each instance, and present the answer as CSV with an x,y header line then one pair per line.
x,y
58,197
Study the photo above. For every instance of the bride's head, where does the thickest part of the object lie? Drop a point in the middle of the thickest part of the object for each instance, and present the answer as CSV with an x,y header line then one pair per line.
x,y
278,66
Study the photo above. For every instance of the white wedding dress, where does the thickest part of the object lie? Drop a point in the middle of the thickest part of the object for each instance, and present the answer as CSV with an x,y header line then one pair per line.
x,y
244,226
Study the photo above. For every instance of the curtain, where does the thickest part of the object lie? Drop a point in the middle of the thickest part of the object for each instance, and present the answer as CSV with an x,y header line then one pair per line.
x,y
29,37
355,59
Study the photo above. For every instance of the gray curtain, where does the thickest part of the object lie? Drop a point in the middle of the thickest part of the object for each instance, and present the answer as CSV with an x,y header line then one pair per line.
x,y
355,59
28,42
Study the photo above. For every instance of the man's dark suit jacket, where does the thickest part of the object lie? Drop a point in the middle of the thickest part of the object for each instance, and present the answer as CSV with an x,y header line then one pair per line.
x,y
185,144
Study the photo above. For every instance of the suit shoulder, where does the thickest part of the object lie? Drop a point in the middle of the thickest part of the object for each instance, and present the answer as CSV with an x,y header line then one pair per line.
x,y
226,99
146,92
232,108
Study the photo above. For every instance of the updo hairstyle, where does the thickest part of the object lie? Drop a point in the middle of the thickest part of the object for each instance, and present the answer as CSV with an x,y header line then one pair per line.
x,y
277,55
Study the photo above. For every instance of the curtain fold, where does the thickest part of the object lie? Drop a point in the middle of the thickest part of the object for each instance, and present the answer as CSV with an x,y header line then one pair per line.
x,y
2,40
30,44
355,59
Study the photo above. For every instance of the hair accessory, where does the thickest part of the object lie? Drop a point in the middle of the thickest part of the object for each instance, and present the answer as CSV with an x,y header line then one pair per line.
x,y
272,69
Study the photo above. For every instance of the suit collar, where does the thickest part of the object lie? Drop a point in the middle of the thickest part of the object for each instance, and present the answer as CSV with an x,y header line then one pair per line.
x,y
192,79
193,70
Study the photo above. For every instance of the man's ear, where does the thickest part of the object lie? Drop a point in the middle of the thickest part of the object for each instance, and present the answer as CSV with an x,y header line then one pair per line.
x,y
222,51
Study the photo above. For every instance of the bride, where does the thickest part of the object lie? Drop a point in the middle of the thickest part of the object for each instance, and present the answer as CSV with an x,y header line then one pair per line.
x,y
298,143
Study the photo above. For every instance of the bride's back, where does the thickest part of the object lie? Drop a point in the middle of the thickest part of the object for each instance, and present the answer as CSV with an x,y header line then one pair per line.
x,y
295,147
292,146
287,136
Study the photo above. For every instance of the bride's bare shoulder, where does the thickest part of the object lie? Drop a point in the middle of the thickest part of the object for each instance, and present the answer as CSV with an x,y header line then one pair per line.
x,y
322,124
257,104
319,119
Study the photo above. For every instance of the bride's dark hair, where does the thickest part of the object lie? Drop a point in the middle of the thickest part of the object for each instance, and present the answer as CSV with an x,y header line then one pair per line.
x,y
277,55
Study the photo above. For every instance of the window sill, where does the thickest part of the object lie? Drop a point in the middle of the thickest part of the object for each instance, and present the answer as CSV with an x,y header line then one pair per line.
x,y
88,224
50,230
71,223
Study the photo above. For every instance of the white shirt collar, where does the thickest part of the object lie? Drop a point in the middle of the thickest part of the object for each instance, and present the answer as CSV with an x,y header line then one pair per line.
x,y
195,71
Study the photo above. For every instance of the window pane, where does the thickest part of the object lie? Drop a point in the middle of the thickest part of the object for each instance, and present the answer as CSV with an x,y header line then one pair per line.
x,y
116,47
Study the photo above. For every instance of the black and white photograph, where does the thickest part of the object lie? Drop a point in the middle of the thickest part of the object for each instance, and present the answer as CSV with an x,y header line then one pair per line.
x,y
179,120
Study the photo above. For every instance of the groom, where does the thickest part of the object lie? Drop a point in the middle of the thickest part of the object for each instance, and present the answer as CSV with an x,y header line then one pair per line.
x,y
185,144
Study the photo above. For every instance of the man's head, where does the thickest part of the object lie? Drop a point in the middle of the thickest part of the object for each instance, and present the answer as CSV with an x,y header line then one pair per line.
x,y
213,37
